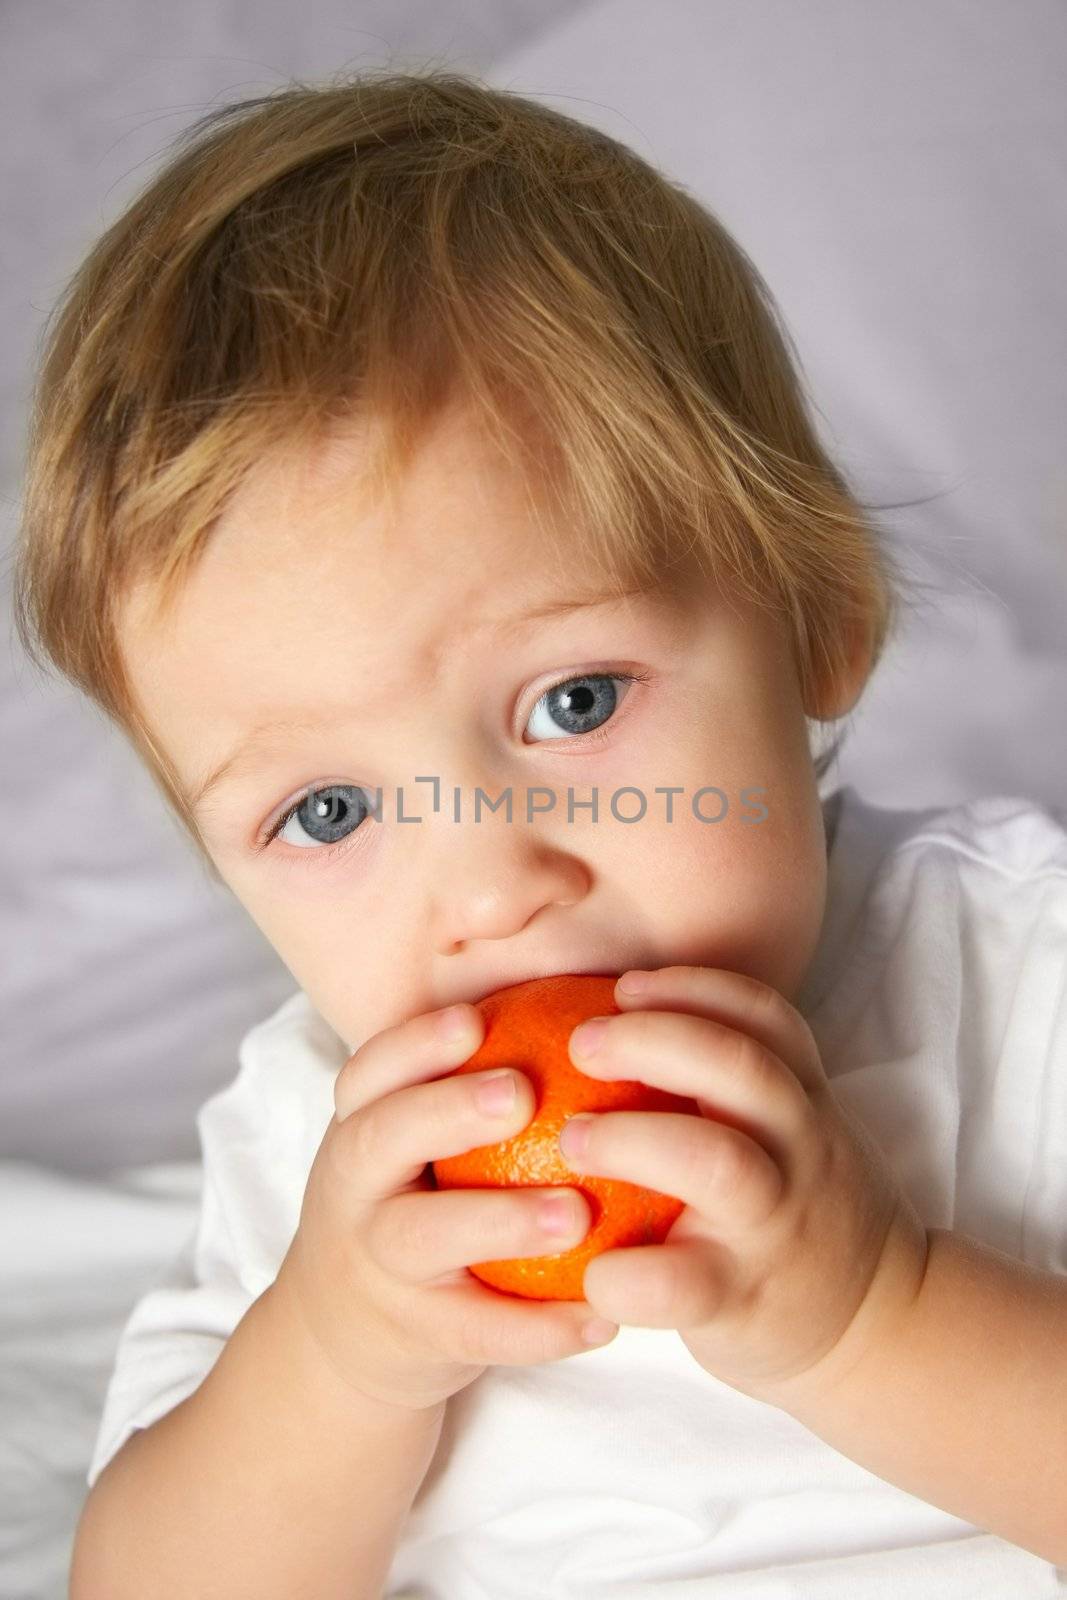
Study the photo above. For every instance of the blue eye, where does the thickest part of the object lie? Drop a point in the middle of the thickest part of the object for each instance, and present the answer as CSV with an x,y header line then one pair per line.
x,y
327,814
578,705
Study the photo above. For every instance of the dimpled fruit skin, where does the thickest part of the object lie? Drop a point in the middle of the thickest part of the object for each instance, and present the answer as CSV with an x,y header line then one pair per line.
x,y
528,1026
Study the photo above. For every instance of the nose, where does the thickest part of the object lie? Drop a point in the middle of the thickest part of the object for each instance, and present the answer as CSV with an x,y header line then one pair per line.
x,y
494,879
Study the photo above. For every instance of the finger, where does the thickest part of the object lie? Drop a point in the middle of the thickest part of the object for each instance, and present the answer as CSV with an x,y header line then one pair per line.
x,y
738,1001
673,1285
424,1234
386,1146
725,1176
411,1051
730,1075
473,1323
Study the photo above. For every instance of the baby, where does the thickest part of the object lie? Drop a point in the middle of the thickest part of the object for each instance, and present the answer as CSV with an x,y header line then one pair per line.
x,y
420,481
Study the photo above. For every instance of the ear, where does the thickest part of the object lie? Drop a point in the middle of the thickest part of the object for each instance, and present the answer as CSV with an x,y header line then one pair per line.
x,y
836,696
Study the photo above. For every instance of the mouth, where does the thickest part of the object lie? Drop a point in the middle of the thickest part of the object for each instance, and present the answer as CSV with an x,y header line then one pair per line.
x,y
576,971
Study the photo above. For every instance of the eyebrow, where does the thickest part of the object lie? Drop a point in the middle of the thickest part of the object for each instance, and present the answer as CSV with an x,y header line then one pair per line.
x,y
272,729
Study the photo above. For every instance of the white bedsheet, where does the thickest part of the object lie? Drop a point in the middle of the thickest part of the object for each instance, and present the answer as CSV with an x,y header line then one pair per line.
x,y
75,1254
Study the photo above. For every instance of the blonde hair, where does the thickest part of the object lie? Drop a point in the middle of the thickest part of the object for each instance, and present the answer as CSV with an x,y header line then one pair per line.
x,y
372,246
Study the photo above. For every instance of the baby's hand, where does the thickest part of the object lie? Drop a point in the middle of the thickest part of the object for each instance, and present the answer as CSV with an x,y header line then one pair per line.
x,y
794,1222
377,1268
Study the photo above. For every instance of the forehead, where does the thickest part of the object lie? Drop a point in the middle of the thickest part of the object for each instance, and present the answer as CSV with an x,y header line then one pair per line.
x,y
454,475
308,581
461,525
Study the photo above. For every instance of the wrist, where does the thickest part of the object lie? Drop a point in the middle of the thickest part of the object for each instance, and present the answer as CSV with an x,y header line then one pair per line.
x,y
877,1326
310,1364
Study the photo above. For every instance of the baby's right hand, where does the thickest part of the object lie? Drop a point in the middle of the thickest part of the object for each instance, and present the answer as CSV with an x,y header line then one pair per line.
x,y
378,1264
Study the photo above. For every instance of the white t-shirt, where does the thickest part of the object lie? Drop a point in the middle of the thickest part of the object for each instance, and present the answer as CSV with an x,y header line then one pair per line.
x,y
938,997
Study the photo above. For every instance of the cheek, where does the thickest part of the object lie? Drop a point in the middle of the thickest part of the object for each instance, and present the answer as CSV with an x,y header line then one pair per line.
x,y
743,895
357,994
326,938
358,954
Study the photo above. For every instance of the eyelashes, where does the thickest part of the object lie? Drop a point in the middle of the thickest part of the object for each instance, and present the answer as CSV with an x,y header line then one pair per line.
x,y
330,849
330,852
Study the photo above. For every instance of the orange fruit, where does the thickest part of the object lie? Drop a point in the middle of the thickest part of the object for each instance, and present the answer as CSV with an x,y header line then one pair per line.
x,y
528,1026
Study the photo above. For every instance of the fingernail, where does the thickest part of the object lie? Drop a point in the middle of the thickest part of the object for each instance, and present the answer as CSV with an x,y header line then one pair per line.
x,y
599,1331
574,1135
556,1214
453,1022
496,1095
585,1040
633,982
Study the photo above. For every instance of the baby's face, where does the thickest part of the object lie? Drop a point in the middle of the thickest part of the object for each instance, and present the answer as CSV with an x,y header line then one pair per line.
x,y
378,654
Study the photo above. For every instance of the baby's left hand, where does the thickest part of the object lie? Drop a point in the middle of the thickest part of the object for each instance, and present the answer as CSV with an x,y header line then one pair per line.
x,y
793,1220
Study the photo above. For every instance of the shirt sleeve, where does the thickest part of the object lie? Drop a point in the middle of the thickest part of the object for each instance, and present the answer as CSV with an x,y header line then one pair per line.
x,y
1011,1174
941,1010
259,1137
